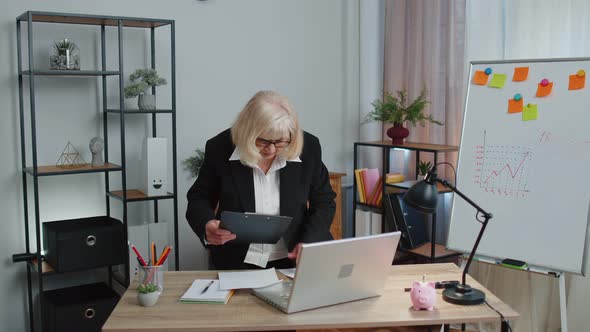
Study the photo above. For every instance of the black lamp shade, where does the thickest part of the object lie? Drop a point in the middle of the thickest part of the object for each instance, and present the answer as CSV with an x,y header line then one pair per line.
x,y
422,196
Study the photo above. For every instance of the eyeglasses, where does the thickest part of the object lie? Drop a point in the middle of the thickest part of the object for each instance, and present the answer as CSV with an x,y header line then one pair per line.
x,y
278,143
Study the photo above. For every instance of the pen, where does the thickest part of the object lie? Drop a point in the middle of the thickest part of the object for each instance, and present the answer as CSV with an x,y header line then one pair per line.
x,y
206,288
153,254
138,256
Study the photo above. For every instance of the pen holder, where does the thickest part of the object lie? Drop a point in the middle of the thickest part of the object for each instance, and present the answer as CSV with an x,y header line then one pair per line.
x,y
151,281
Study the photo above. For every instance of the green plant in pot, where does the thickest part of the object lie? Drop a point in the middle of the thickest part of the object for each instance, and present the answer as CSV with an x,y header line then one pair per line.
x,y
65,55
424,167
193,164
148,294
398,110
141,82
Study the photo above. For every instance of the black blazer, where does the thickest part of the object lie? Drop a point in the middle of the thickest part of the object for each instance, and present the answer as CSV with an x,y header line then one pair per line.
x,y
231,185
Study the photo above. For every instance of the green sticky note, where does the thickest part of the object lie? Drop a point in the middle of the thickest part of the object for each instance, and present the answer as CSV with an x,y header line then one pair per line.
x,y
498,81
529,112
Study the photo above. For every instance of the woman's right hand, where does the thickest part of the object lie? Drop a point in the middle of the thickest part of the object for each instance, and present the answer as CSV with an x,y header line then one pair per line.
x,y
217,236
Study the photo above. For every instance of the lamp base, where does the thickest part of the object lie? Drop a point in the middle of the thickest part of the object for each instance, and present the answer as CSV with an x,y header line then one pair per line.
x,y
463,294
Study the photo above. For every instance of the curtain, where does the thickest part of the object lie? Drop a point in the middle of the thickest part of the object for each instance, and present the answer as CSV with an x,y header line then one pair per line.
x,y
424,47
527,29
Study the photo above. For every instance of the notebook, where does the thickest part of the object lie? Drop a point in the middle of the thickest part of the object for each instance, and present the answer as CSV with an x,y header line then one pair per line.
x,y
197,293
334,272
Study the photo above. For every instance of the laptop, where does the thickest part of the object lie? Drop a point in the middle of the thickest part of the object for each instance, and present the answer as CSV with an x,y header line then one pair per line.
x,y
334,272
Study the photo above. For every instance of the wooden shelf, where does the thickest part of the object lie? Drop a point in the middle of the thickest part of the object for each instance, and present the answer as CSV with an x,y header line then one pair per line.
x,y
134,111
50,17
369,207
413,146
51,72
138,195
440,251
83,168
401,187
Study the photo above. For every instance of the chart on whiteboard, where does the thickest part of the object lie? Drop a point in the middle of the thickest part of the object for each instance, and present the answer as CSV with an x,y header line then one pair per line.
x,y
502,169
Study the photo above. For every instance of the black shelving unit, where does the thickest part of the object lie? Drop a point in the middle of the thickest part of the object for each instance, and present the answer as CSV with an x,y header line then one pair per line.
x,y
33,171
386,147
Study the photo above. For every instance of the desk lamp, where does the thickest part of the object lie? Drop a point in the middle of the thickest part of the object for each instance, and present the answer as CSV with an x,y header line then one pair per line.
x,y
423,196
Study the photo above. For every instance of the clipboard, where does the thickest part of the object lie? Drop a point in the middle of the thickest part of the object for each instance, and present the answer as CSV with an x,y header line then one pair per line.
x,y
253,227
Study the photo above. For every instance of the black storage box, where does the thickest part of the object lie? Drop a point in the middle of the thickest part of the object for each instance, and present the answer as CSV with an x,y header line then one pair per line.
x,y
81,308
409,221
84,243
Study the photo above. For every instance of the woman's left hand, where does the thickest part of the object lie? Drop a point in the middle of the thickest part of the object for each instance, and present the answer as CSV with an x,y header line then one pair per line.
x,y
295,253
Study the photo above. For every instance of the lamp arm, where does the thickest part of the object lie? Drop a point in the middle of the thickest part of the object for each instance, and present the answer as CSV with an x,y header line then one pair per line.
x,y
487,216
458,192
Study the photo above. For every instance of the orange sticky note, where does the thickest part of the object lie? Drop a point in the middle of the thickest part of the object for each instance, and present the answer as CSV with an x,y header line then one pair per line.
x,y
543,91
515,106
480,78
520,74
577,82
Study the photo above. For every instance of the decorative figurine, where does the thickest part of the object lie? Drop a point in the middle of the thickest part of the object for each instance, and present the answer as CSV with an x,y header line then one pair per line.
x,y
70,158
423,295
96,145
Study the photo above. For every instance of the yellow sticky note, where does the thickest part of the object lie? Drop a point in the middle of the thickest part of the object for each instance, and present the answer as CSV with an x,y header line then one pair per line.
x,y
515,106
520,74
543,91
577,82
480,77
529,112
498,81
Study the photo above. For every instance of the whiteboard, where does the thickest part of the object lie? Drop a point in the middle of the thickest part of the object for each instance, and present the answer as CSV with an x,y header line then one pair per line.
x,y
533,175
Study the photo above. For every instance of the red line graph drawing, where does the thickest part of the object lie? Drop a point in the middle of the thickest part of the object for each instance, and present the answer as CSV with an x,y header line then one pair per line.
x,y
502,169
507,166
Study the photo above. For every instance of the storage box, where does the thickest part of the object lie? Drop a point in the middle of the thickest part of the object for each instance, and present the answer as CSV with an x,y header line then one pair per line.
x,y
81,308
84,243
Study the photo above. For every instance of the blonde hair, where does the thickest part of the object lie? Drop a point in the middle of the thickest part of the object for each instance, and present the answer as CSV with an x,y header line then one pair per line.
x,y
271,116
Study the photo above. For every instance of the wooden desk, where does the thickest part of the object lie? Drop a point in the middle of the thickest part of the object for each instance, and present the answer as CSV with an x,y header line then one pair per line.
x,y
245,312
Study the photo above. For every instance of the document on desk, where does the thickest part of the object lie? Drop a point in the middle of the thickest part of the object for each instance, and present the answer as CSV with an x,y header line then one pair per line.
x,y
288,272
247,279
206,291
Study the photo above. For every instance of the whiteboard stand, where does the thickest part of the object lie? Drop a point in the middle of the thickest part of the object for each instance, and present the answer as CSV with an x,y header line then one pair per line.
x,y
557,275
562,301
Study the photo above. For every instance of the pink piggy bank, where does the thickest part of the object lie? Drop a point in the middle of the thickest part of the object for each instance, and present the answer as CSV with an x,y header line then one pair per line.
x,y
423,295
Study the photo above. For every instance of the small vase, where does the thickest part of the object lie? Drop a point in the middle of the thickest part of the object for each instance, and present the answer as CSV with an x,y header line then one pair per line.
x,y
146,102
148,299
398,133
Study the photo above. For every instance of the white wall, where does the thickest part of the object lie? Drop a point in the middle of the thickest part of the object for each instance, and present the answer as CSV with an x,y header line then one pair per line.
x,y
226,51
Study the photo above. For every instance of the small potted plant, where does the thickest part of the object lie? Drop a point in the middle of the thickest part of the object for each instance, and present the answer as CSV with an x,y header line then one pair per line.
x,y
141,81
65,55
194,163
424,167
397,110
147,294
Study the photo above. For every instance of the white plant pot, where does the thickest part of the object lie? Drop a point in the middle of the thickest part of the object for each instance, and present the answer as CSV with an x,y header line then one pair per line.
x,y
148,299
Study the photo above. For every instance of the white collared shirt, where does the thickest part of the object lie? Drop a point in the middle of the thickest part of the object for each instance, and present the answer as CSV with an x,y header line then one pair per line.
x,y
267,201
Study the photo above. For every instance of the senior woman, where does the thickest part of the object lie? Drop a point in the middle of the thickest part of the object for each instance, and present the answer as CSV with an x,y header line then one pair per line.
x,y
264,164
